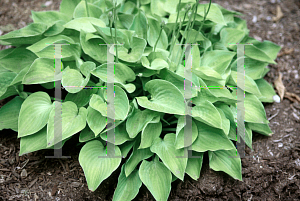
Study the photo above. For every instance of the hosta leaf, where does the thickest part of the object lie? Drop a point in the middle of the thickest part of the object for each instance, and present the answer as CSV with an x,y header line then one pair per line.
x,y
254,110
41,71
266,90
81,11
67,7
81,98
226,161
87,67
263,129
194,165
121,104
9,114
135,52
27,35
73,81
97,169
136,156
250,85
122,75
73,121
128,187
207,73
207,113
86,135
214,13
49,17
207,138
169,155
18,59
231,36
257,54
139,25
36,142
55,28
180,134
165,98
85,24
149,133
120,134
225,122
95,120
157,178
34,113
6,79
153,34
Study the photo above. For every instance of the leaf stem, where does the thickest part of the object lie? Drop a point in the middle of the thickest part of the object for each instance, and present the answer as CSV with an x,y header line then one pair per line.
x,y
87,8
161,29
173,32
115,15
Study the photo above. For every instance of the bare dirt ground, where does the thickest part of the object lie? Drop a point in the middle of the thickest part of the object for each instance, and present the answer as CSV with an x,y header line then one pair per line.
x,y
270,172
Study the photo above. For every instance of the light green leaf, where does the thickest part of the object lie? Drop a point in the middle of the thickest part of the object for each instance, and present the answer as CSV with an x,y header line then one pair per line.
x,y
207,138
207,73
95,120
194,165
254,110
250,85
87,67
85,24
27,35
263,129
73,81
81,98
9,114
150,132
139,25
86,135
157,178
128,187
231,36
55,28
34,113
207,113
81,11
169,155
225,122
221,161
153,34
257,54
72,121
266,90
17,60
214,13
41,71
166,97
120,134
97,169
49,17
180,134
6,79
121,104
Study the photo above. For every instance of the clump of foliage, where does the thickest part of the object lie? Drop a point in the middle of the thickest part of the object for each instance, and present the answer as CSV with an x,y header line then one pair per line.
x,y
148,83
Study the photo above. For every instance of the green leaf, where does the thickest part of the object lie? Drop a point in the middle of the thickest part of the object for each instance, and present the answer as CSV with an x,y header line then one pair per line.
x,y
34,113
9,114
97,169
91,46
214,13
67,7
207,73
153,34
95,120
36,142
137,121
27,35
231,36
73,81
81,98
180,134
207,138
49,17
263,129
194,165
257,54
87,67
250,85
6,79
135,158
207,113
169,155
72,121
254,110
157,178
158,64
120,134
128,187
266,90
81,11
221,161
137,47
41,71
139,25
85,24
166,97
150,132
86,135
55,28
121,104
17,60
122,75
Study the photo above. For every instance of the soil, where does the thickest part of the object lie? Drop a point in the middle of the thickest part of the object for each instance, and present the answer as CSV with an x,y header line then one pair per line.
x,y
271,171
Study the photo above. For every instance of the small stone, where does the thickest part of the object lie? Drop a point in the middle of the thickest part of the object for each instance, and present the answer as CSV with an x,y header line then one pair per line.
x,y
75,184
24,173
276,98
280,144
48,3
254,20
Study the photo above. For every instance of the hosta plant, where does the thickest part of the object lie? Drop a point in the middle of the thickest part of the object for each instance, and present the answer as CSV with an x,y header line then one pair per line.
x,y
150,38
